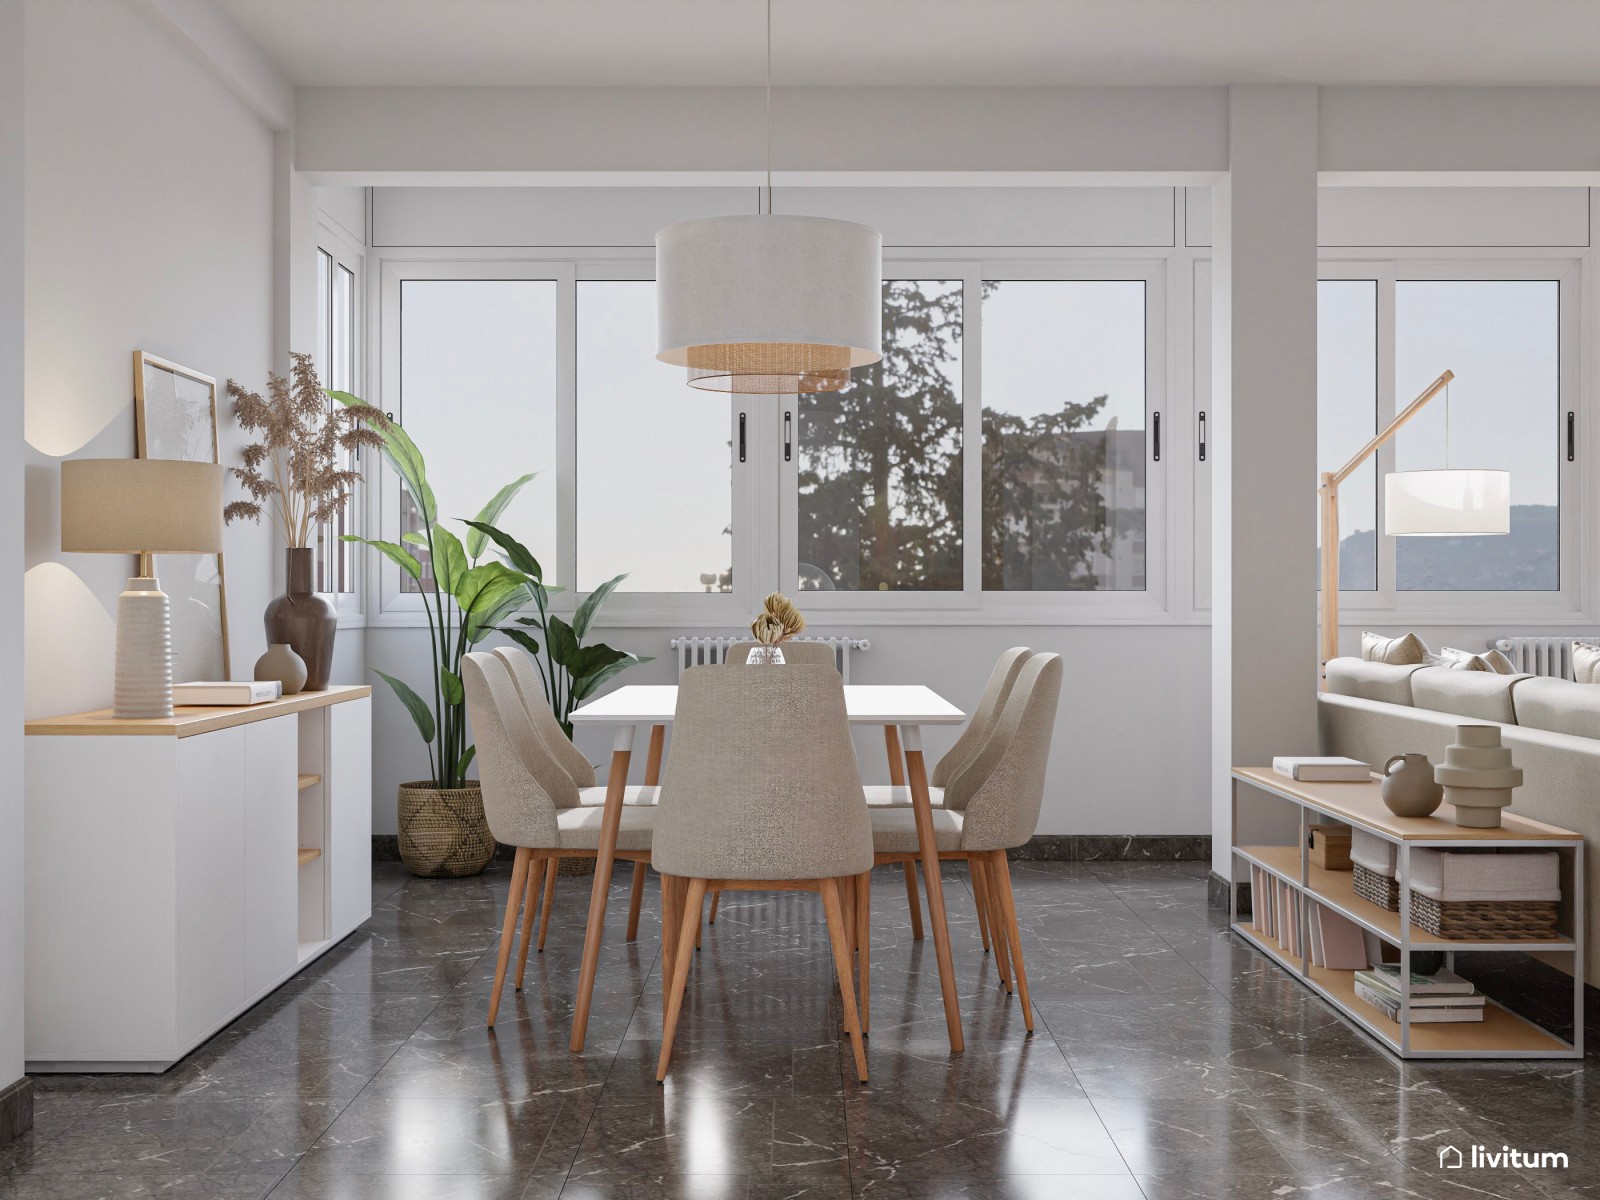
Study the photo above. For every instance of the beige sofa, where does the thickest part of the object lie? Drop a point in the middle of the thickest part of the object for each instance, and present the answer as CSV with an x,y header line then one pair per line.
x,y
1372,710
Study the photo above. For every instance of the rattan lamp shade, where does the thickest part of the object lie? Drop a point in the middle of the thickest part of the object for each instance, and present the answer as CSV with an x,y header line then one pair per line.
x,y
1447,503
140,506
769,304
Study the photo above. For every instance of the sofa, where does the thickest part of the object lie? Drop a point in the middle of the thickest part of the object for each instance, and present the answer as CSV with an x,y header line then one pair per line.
x,y
1371,710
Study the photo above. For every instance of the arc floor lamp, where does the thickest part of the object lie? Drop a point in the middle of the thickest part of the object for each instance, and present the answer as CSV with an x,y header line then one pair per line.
x,y
1446,503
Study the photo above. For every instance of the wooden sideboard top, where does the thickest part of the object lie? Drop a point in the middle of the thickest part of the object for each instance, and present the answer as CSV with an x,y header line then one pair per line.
x,y
189,720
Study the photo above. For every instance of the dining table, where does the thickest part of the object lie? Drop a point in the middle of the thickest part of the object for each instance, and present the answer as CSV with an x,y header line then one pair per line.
x,y
900,709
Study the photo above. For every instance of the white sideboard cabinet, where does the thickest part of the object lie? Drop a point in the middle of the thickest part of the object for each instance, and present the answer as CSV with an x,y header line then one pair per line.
x,y
179,869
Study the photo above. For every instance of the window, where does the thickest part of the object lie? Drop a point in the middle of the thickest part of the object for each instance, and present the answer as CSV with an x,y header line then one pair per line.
x,y
1347,417
1064,435
335,360
654,457
880,475
477,371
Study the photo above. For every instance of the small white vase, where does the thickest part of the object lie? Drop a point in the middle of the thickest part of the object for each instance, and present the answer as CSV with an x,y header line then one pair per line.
x,y
764,656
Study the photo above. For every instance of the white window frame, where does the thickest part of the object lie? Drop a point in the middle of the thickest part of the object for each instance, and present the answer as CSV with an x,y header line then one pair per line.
x,y
345,251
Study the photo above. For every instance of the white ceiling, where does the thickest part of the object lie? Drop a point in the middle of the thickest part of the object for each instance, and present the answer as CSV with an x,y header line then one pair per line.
x,y
926,42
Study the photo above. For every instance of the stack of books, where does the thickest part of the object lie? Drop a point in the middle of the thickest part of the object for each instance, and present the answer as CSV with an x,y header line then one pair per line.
x,y
1434,998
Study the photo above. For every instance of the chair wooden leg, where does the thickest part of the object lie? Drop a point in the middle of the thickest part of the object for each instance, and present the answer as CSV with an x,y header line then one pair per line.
x,y
913,901
508,930
530,904
671,921
716,898
636,900
680,973
864,948
549,901
839,935
997,921
1002,873
980,898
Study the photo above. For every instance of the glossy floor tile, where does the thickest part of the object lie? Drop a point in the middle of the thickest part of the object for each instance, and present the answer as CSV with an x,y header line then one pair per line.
x,y
1169,1062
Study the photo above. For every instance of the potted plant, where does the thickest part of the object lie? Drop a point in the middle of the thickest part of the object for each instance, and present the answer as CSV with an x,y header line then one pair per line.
x,y
442,827
300,473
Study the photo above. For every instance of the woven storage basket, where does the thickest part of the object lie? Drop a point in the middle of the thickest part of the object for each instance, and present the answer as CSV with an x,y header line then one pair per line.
x,y
443,834
1486,920
1379,889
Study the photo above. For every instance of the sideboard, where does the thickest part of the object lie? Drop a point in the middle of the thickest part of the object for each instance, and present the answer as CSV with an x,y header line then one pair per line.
x,y
181,868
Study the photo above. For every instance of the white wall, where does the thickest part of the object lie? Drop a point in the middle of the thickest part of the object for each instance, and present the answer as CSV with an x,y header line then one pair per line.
x,y
149,193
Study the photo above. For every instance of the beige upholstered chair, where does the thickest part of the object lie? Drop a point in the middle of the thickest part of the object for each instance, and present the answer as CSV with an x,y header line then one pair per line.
x,y
795,654
1001,680
532,803
990,807
526,676
761,794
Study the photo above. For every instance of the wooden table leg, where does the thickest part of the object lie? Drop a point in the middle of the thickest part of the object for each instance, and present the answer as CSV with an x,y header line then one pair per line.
x,y
897,778
922,806
652,777
594,930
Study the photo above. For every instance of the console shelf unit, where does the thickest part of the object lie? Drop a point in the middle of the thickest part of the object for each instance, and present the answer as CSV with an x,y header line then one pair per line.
x,y
1502,1033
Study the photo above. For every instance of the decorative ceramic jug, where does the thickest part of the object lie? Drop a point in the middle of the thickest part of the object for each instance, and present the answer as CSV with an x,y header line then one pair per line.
x,y
1410,791
1478,776
281,663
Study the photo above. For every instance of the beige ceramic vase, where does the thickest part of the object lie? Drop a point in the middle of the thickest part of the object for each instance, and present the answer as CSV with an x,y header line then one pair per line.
x,y
1478,775
1410,790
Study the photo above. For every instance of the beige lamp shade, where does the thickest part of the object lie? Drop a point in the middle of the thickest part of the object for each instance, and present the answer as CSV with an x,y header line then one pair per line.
x,y
1447,503
140,506
769,304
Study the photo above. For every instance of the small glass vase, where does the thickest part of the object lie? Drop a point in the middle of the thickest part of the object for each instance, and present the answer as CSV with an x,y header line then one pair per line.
x,y
764,656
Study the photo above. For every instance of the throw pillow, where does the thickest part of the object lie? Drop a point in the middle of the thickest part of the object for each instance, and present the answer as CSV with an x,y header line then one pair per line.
x,y
1585,662
1488,660
1401,651
1457,660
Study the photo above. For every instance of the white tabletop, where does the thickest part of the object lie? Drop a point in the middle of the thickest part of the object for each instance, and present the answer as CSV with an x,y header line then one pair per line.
x,y
866,704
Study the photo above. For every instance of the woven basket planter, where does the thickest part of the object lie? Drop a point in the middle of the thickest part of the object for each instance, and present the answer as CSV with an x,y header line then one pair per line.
x,y
1379,889
443,834
575,866
1487,920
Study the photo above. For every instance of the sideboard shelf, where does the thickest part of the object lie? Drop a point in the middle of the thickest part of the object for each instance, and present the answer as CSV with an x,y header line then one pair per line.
x,y
1502,1033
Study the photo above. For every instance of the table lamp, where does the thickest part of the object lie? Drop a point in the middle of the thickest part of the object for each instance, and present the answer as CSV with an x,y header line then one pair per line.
x,y
141,506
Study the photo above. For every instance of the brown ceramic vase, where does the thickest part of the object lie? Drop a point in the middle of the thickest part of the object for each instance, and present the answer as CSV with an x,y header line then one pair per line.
x,y
304,620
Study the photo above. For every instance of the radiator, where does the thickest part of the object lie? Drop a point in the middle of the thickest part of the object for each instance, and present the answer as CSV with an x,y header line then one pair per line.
x,y
1541,655
709,651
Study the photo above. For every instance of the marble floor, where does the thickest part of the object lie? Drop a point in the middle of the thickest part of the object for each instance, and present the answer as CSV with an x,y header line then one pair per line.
x,y
1170,1062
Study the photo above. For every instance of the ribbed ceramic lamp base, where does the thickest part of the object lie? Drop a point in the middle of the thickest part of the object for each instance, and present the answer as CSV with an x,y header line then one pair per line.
x,y
144,651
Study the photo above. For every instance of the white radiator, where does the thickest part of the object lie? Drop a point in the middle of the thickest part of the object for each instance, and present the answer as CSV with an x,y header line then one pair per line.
x,y
710,651
1541,655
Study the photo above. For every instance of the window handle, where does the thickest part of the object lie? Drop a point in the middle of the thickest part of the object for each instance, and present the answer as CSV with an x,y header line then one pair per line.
x,y
1156,439
1202,435
741,437
1572,436
788,436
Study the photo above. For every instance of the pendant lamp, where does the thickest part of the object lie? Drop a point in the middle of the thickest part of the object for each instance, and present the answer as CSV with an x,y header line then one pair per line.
x,y
769,304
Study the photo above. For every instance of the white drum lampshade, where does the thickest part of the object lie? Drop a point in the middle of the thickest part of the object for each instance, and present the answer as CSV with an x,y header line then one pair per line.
x,y
769,304
1447,503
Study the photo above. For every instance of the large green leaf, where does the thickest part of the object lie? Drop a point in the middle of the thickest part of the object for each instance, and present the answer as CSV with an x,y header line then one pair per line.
x,y
487,619
467,756
522,638
420,712
491,513
402,454
591,605
563,645
450,685
518,555
396,554
584,687
449,559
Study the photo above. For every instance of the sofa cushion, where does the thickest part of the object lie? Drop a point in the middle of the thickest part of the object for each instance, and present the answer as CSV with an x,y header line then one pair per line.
x,y
1400,651
1370,680
1480,695
1558,705
1585,662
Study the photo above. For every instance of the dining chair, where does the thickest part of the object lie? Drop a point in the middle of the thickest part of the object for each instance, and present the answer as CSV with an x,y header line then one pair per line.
x,y
795,654
1002,677
532,803
990,807
762,794
525,674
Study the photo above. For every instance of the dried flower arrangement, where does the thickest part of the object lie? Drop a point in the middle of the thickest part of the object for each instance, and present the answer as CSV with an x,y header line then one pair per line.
x,y
779,621
297,470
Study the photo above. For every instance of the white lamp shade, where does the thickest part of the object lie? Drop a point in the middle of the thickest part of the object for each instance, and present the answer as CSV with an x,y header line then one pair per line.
x,y
1447,503
767,303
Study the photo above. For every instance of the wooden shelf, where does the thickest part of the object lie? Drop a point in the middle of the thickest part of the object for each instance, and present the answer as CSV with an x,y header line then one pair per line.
x,y
308,781
308,854
189,720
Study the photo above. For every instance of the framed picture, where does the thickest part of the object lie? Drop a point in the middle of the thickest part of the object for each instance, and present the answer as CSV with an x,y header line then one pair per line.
x,y
175,417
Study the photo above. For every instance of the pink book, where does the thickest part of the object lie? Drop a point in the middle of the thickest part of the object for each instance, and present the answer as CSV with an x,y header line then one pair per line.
x,y
1344,944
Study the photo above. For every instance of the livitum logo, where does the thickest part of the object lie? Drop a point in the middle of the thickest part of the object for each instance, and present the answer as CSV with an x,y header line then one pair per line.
x,y
1486,1157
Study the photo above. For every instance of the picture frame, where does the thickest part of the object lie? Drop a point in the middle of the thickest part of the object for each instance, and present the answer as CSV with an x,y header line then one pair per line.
x,y
175,417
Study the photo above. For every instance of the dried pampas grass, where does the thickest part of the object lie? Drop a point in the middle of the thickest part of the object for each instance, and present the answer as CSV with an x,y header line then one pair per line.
x,y
779,621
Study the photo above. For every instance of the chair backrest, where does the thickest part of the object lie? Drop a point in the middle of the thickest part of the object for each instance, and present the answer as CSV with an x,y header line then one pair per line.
x,y
795,654
978,729
762,781
523,784
1002,789
526,676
